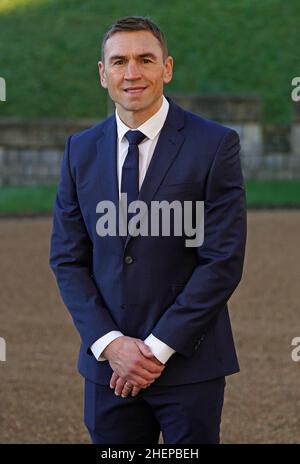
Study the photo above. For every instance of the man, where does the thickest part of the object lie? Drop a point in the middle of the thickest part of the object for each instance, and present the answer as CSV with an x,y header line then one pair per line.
x,y
151,312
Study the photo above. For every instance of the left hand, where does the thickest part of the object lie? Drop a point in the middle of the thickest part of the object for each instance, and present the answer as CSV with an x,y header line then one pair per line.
x,y
124,388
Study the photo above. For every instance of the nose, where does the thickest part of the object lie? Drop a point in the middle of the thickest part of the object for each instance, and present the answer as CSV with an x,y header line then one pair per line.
x,y
132,71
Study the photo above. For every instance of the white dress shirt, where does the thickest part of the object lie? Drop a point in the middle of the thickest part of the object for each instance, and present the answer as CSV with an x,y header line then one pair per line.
x,y
151,128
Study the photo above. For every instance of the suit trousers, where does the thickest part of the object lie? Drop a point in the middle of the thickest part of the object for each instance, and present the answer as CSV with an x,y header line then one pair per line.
x,y
189,413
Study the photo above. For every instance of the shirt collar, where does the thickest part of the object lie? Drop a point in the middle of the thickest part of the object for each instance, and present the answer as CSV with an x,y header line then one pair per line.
x,y
151,127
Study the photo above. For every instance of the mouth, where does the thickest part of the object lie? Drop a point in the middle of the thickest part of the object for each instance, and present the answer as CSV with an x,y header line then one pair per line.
x,y
134,90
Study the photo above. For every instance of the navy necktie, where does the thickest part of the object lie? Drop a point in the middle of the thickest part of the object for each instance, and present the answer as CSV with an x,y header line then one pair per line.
x,y
130,170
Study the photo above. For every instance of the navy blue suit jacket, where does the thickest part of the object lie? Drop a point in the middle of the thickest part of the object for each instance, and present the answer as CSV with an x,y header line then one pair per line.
x,y
177,293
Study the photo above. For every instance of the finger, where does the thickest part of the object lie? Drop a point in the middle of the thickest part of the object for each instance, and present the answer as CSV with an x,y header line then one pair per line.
x,y
120,385
127,389
135,391
138,381
142,364
144,374
152,365
113,380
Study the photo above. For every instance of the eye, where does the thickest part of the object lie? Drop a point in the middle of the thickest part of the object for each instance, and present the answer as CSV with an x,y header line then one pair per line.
x,y
146,60
118,62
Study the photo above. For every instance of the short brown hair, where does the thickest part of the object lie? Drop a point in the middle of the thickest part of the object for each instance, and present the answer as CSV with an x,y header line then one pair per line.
x,y
135,23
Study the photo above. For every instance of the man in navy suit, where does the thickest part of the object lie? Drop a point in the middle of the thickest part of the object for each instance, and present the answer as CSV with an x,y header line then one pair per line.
x,y
156,339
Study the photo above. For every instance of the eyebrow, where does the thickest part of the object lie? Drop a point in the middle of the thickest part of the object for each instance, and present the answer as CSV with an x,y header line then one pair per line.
x,y
143,55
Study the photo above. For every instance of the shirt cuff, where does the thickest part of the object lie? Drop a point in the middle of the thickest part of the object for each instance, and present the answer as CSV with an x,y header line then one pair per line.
x,y
99,345
160,350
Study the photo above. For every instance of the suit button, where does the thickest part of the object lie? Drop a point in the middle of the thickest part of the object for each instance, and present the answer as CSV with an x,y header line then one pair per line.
x,y
202,337
128,259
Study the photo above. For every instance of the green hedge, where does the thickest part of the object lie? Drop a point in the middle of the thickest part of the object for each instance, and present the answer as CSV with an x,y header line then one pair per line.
x,y
49,51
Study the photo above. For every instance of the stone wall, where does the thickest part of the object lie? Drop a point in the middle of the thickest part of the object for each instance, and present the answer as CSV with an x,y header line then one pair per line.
x,y
268,151
31,151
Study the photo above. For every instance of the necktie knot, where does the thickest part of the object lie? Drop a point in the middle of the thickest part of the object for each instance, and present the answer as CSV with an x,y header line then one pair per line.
x,y
134,137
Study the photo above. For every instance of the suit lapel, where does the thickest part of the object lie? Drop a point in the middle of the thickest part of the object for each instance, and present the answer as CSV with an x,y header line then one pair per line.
x,y
107,161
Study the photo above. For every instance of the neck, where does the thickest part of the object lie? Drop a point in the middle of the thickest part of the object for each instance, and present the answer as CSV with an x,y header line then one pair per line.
x,y
134,119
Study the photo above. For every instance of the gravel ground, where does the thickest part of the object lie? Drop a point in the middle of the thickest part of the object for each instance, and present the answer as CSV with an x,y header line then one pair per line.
x,y
41,393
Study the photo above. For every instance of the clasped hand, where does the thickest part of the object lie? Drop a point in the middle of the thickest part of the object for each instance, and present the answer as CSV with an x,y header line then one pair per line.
x,y
134,365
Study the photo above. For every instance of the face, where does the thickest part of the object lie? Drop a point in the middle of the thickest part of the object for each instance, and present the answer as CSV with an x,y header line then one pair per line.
x,y
134,72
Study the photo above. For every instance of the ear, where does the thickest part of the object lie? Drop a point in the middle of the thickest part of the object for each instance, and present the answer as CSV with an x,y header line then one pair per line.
x,y
102,74
168,70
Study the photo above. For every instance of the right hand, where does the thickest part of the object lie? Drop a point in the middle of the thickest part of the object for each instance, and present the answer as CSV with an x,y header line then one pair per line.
x,y
127,361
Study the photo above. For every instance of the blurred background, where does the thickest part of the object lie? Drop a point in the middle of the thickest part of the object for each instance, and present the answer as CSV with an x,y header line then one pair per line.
x,y
234,63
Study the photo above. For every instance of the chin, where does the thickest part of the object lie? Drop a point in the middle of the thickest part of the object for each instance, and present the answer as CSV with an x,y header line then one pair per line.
x,y
133,106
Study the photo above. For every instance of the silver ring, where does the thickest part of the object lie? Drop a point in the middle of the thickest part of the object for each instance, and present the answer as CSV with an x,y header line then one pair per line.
x,y
127,385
